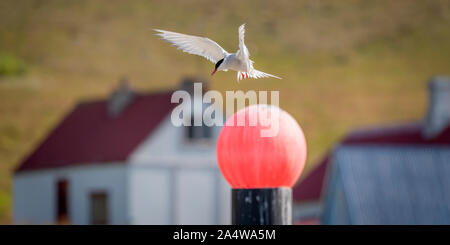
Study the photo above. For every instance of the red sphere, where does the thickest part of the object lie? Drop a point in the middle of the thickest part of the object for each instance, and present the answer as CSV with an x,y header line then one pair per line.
x,y
248,160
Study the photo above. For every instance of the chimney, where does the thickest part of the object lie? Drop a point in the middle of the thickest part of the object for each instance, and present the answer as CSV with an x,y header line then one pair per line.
x,y
120,98
438,116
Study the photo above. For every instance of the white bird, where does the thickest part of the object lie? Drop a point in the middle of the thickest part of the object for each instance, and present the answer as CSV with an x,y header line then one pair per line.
x,y
212,51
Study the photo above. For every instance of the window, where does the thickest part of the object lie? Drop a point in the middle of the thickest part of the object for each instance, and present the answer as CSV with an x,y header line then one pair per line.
x,y
62,202
198,132
99,208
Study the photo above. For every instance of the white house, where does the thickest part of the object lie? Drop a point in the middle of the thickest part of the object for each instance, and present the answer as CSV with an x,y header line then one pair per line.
x,y
121,161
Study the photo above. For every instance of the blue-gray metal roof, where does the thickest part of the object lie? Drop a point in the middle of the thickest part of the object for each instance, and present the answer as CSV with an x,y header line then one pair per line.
x,y
395,185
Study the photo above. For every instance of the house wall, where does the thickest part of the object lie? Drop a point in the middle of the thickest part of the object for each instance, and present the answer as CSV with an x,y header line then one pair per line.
x,y
34,193
150,196
179,179
111,179
168,145
34,198
178,196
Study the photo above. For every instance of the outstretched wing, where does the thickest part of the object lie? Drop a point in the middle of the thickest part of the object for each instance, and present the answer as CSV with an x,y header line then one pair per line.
x,y
194,45
243,53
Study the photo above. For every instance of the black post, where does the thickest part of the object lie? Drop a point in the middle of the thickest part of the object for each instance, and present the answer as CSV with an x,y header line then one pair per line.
x,y
265,206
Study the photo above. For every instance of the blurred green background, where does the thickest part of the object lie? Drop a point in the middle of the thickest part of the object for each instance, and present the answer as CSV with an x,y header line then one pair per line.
x,y
344,64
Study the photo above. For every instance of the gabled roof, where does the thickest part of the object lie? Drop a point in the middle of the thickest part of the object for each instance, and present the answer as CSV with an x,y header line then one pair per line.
x,y
89,135
310,187
408,134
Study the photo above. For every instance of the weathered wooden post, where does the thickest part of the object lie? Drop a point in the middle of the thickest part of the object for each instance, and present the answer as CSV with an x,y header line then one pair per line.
x,y
261,152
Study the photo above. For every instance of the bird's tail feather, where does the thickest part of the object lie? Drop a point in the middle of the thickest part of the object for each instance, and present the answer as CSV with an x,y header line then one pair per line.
x,y
259,74
254,74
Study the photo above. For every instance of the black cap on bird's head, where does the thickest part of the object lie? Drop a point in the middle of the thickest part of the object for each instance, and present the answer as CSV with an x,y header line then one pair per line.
x,y
217,66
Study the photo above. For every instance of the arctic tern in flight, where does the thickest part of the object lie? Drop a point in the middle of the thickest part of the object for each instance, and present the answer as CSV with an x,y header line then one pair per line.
x,y
212,51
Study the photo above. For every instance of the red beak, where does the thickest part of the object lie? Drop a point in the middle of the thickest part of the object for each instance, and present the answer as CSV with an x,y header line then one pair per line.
x,y
213,72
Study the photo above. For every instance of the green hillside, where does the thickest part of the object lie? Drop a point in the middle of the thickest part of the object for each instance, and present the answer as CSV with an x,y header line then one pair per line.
x,y
344,64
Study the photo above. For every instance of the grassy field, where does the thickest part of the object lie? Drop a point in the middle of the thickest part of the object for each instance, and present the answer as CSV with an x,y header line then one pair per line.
x,y
344,64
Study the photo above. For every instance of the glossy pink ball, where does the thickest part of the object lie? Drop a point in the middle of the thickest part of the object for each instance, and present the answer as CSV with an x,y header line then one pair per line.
x,y
249,160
